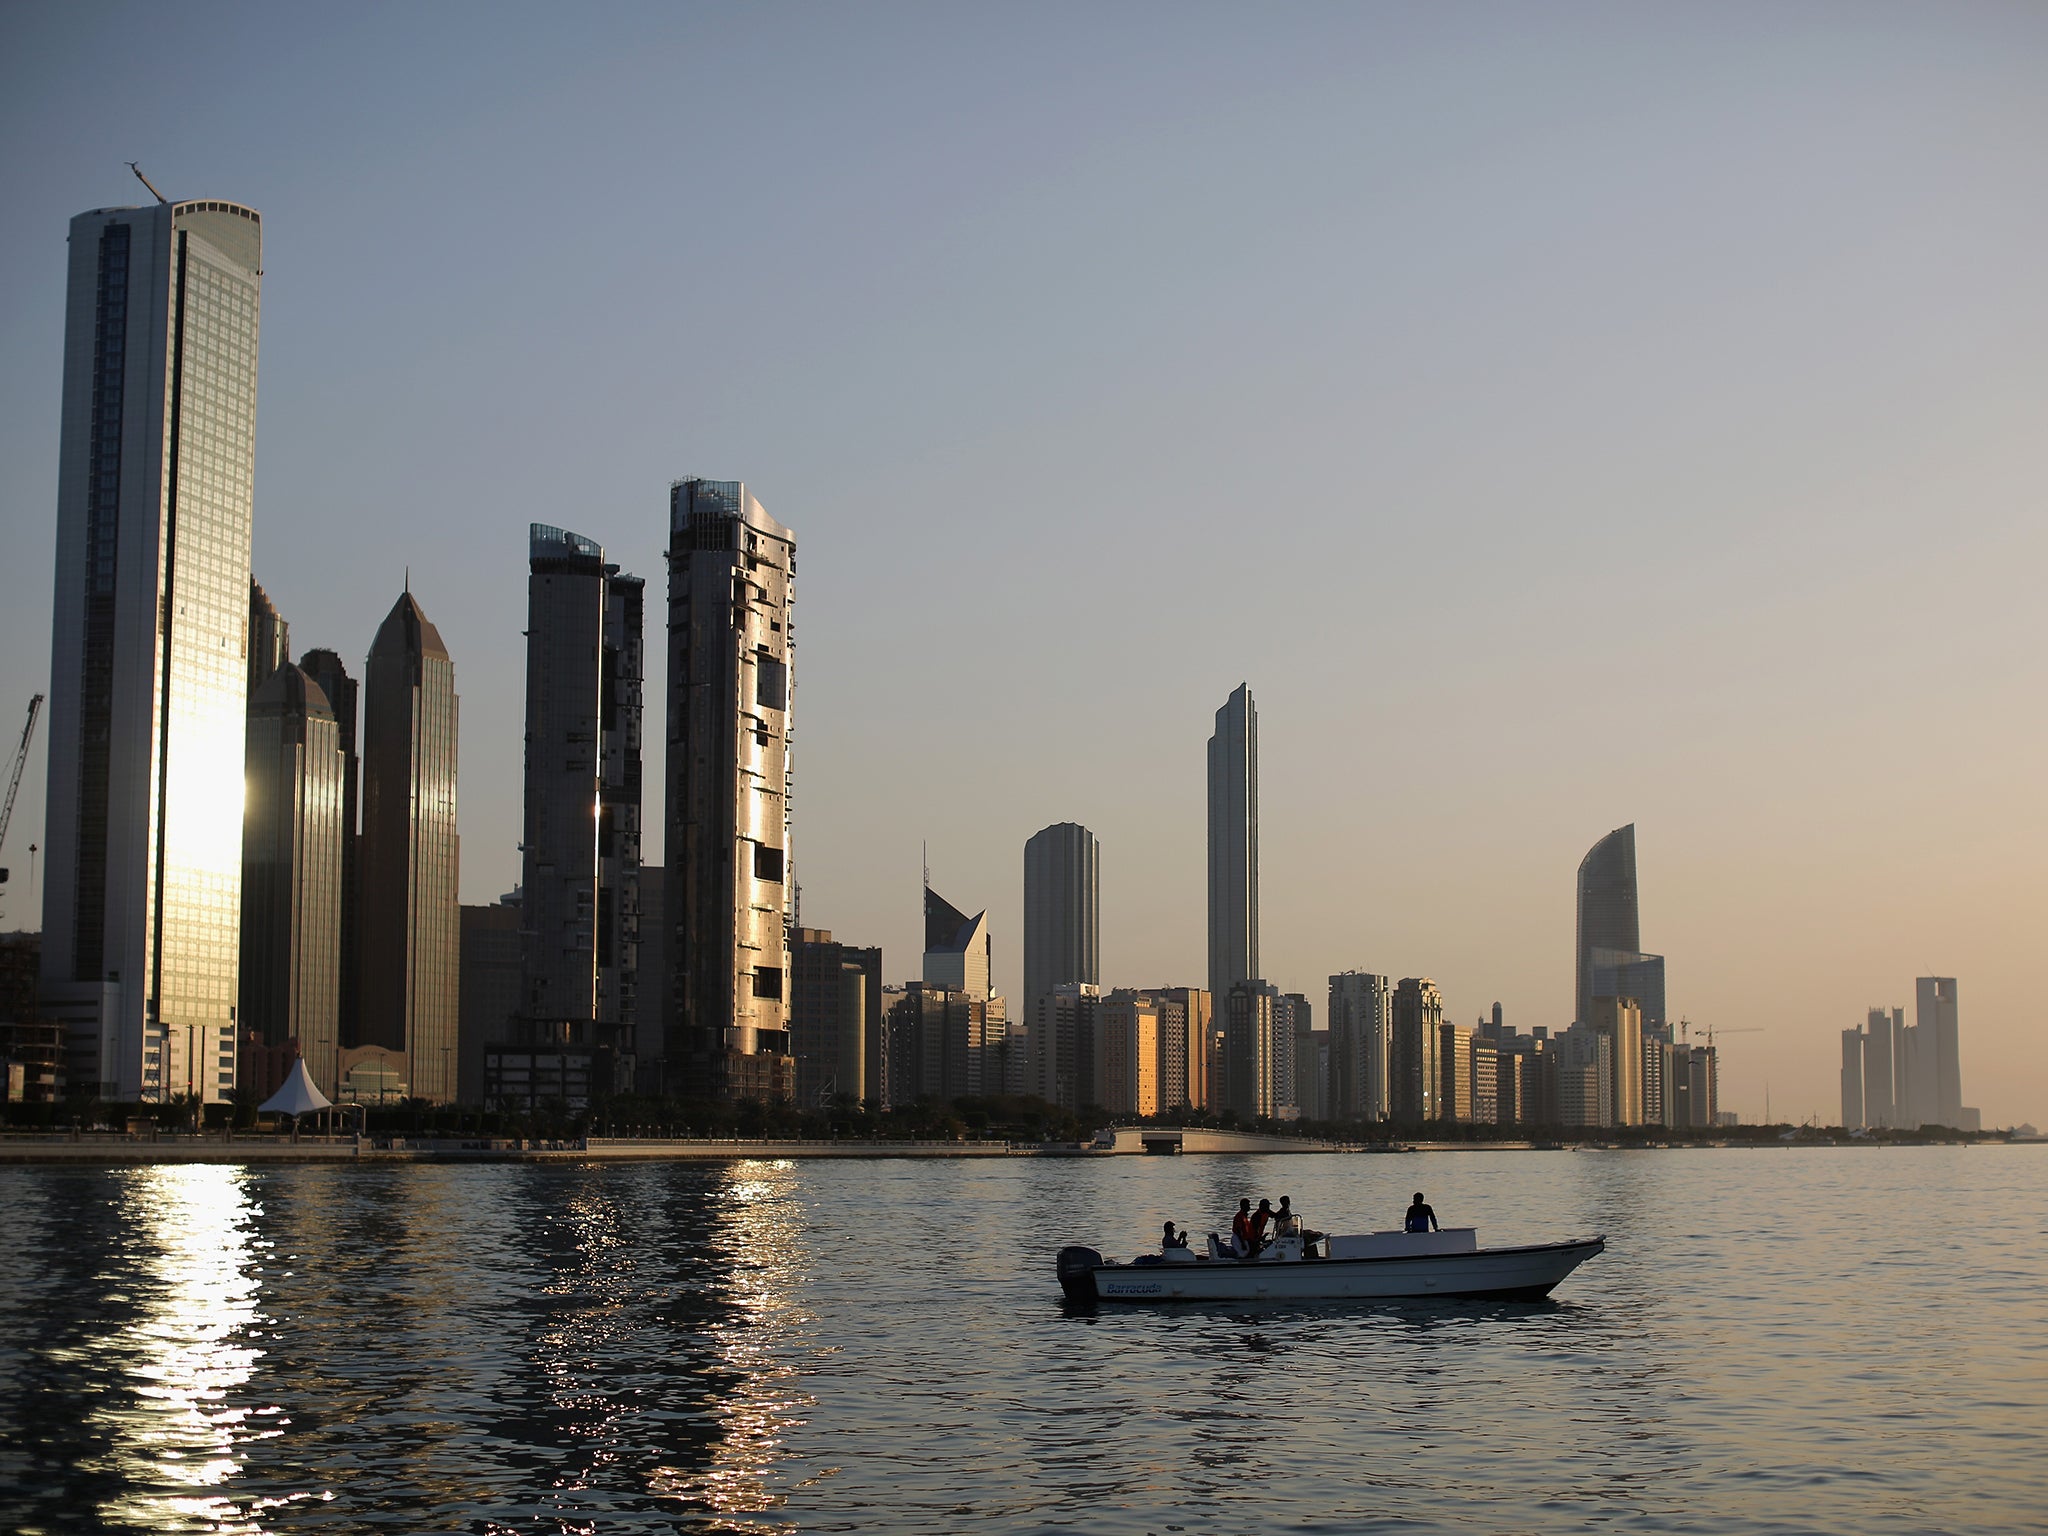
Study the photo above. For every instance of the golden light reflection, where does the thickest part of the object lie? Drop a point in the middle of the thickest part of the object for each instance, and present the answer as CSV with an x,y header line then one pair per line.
x,y
174,1437
759,1245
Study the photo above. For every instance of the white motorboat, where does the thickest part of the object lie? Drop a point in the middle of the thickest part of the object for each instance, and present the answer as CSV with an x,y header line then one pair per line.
x,y
1366,1266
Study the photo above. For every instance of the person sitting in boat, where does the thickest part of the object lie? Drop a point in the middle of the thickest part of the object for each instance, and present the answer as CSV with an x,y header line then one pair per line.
x,y
1173,1239
1262,1219
1422,1216
1241,1238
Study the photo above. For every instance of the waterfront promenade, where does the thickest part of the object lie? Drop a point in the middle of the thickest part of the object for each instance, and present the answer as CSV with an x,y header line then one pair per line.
x,y
250,1147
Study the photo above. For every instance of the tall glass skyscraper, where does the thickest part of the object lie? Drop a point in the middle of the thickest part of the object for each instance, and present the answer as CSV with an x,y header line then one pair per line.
x,y
1234,844
1062,909
1608,918
411,935
292,872
149,680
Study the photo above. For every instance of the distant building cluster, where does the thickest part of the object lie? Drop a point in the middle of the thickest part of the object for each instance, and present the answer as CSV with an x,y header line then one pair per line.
x,y
1900,1076
253,861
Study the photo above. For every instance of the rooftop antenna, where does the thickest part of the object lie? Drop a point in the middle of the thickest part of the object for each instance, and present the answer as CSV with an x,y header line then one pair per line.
x,y
147,182
408,581
925,848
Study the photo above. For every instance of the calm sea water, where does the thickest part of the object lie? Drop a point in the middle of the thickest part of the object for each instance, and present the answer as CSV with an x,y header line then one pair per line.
x,y
1775,1341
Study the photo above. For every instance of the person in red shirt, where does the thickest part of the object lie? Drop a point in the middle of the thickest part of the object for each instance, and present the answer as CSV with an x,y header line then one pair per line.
x,y
1261,1220
1242,1237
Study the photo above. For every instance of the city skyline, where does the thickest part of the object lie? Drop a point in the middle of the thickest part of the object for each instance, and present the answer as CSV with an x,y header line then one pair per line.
x,y
1793,862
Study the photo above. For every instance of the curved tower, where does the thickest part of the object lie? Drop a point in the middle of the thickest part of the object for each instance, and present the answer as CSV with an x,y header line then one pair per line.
x,y
1608,917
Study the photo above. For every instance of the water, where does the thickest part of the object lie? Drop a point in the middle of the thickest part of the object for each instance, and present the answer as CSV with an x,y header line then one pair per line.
x,y
1776,1340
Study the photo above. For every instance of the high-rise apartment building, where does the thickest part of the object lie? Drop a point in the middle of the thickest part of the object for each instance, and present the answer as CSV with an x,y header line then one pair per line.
x,y
580,867
1874,1073
1608,916
1361,1038
340,690
1062,908
1187,1046
1934,1015
148,673
1454,1073
1234,844
1129,1050
492,978
410,937
1061,1028
835,1018
1252,1050
1852,1080
1621,1020
1415,1089
731,589
290,985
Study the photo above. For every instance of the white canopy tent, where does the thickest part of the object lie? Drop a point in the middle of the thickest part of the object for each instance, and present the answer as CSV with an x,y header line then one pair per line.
x,y
297,1097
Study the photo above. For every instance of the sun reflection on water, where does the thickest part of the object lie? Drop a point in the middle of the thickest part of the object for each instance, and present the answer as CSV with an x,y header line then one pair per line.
x,y
175,1436
759,1247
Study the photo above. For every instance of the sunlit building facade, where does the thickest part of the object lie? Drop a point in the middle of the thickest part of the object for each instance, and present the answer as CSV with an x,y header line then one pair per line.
x,y
725,1005
291,875
149,667
1414,1058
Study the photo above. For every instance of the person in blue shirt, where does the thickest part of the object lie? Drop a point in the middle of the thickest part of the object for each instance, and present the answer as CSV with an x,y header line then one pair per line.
x,y
1422,1216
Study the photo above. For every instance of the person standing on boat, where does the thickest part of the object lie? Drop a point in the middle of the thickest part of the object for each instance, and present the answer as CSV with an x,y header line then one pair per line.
x,y
1241,1237
1422,1216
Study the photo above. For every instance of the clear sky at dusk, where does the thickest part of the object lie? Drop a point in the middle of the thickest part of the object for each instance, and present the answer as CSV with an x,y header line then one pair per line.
x,y
1561,416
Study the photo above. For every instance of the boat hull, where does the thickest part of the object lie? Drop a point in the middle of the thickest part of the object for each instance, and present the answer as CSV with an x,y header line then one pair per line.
x,y
1500,1274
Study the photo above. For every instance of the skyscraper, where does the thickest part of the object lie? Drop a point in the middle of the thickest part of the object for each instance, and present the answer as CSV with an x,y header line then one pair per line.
x,y
1852,1080
149,683
1875,1074
339,689
291,874
270,637
1252,1046
1415,1090
1934,1015
1608,918
1062,909
835,1018
1361,1027
580,871
410,935
731,578
1234,844
1621,1019
958,952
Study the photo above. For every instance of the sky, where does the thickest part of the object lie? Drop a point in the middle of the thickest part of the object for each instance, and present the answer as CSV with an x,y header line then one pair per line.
x,y
1560,416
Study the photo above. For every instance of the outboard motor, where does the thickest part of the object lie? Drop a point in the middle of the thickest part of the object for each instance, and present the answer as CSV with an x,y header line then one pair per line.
x,y
1076,1268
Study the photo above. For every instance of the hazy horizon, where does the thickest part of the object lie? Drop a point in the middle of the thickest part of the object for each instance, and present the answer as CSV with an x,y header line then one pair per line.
x,y
1560,418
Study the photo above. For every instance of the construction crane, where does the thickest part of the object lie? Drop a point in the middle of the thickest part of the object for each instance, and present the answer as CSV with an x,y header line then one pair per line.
x,y
1685,1027
28,731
